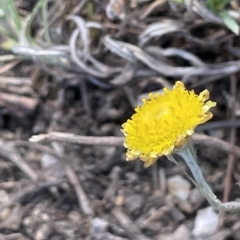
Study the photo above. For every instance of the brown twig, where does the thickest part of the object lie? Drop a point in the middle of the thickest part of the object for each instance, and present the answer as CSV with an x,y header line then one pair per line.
x,y
81,195
231,157
156,215
36,146
18,105
72,138
46,149
10,153
118,141
131,229
151,8
12,236
6,67
27,190
214,142
228,123
83,201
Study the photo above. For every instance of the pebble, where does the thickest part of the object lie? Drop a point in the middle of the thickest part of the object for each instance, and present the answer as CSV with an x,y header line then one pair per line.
x,y
195,196
4,198
134,204
48,160
75,217
181,233
120,200
43,232
5,213
132,177
178,187
99,225
205,223
13,221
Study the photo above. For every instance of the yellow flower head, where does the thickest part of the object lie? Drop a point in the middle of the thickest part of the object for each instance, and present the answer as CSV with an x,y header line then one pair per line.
x,y
164,122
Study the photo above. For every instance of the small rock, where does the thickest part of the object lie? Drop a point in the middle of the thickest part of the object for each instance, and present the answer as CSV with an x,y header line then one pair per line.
x,y
109,236
48,160
179,187
120,200
206,223
132,177
45,217
99,230
177,215
182,232
13,221
43,232
114,174
98,226
37,211
27,221
53,166
134,204
66,229
3,197
75,217
185,206
5,214
107,128
195,196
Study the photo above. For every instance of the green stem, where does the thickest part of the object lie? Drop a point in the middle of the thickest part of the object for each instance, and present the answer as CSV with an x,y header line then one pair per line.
x,y
187,153
45,21
189,157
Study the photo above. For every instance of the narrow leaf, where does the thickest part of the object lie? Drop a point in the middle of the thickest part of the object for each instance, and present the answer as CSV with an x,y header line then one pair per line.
x,y
230,22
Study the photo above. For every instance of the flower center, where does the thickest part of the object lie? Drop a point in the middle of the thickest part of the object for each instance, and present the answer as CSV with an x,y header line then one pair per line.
x,y
162,111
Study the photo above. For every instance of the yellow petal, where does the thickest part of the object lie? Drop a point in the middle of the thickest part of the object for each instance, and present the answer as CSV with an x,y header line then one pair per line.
x,y
164,122
204,95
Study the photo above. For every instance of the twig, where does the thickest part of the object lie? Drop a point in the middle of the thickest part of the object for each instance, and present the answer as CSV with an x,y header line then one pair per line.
x,y
11,236
231,157
36,146
162,182
131,229
27,190
83,201
222,234
45,21
81,195
118,141
12,155
73,138
79,8
113,185
4,58
6,67
156,215
45,149
228,123
208,141
18,105
84,96
152,7
155,177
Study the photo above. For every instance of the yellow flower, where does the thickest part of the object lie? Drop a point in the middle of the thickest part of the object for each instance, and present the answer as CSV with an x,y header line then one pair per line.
x,y
164,122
